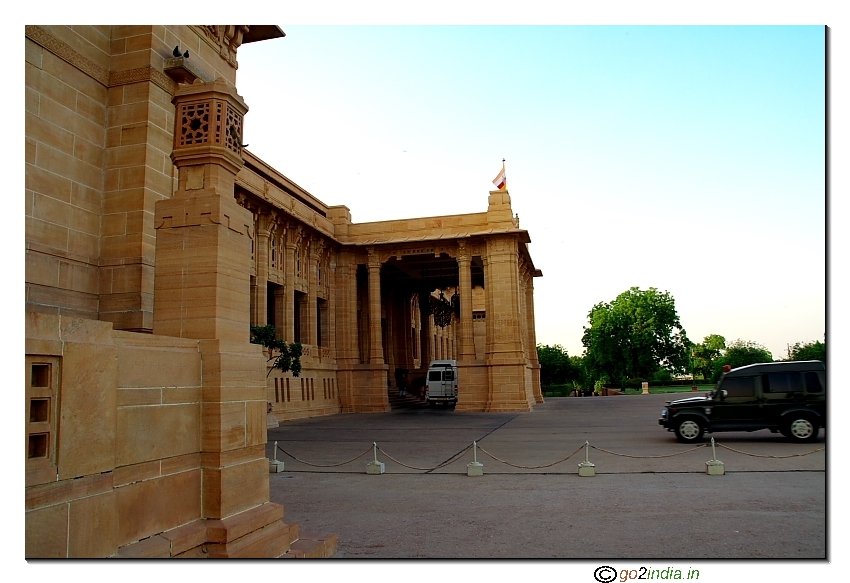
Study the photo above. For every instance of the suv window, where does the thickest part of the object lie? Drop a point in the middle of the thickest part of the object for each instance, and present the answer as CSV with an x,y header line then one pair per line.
x,y
782,382
449,375
813,384
739,387
434,375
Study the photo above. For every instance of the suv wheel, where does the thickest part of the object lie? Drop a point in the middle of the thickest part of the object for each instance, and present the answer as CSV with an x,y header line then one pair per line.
x,y
689,431
801,428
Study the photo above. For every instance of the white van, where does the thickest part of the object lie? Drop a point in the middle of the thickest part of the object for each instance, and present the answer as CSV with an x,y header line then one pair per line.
x,y
441,382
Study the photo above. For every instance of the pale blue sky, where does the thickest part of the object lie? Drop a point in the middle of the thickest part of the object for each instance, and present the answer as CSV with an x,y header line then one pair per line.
x,y
686,158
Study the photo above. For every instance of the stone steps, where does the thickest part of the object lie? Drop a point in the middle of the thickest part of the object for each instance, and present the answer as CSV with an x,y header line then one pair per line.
x,y
256,533
407,402
312,546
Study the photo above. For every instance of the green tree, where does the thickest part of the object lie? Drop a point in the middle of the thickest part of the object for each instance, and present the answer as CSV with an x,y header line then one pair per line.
x,y
706,354
584,376
556,366
635,334
808,351
741,353
287,358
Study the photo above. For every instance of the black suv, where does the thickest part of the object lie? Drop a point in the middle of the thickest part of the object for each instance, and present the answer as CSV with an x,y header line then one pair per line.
x,y
788,397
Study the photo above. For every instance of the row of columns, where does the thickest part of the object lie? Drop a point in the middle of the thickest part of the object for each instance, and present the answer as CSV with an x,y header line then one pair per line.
x,y
510,343
284,303
521,330
508,317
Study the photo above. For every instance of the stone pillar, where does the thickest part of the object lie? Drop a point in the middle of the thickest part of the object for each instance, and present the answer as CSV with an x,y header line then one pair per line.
x,y
467,341
416,334
505,359
473,375
403,338
425,353
202,291
332,291
535,362
261,254
346,328
391,342
346,336
293,238
376,349
312,260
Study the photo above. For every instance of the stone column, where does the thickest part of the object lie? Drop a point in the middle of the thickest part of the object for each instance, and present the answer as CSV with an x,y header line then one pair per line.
x,y
425,354
261,254
391,343
376,349
293,238
405,350
312,260
505,359
331,341
489,313
466,349
346,329
473,375
416,334
346,334
535,362
202,291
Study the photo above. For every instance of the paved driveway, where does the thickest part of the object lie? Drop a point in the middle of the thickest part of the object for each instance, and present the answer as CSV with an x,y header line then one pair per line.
x,y
635,507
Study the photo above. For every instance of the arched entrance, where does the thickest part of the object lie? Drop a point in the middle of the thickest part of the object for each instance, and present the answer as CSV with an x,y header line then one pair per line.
x,y
403,291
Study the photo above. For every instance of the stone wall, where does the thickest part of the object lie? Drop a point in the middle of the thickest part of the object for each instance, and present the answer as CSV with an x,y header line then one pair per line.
x,y
129,444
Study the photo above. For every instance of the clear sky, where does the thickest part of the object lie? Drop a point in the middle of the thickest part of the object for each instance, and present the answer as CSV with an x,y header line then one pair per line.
x,y
686,158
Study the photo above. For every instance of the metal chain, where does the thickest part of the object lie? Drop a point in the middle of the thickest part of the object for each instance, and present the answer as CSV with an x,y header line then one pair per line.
x,y
530,467
649,456
776,457
455,457
325,465
451,460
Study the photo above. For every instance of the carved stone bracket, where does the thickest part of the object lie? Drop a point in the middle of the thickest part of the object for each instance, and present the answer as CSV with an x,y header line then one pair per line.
x,y
463,250
294,235
373,258
226,38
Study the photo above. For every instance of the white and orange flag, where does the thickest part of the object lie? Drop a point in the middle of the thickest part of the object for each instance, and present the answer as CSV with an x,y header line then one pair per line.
x,y
501,181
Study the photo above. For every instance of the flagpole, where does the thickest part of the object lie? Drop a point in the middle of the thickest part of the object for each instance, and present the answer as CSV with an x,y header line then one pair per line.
x,y
501,180
506,176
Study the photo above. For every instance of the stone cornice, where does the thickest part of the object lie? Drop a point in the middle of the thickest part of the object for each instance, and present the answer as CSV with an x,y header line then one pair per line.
x,y
106,78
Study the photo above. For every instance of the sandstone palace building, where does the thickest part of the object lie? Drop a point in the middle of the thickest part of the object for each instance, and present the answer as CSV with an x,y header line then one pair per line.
x,y
154,241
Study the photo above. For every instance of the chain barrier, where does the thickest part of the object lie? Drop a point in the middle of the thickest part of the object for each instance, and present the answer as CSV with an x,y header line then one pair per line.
x,y
457,456
650,456
530,467
325,465
776,457
451,460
